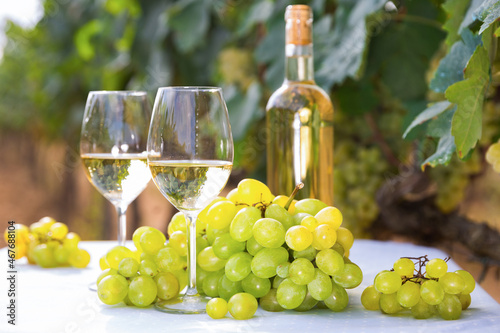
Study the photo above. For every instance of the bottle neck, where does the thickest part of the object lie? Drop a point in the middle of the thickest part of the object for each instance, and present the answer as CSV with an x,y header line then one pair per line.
x,y
299,64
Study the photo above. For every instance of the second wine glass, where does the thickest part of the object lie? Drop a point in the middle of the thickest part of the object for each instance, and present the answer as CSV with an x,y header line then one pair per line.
x,y
190,155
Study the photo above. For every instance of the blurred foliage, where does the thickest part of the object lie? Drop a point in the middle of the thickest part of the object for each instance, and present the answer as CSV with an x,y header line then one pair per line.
x,y
382,61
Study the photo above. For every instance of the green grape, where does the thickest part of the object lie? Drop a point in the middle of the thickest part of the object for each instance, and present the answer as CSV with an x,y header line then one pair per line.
x,y
201,243
310,223
178,241
228,288
209,261
104,273
404,267
350,277
252,191
79,258
177,223
182,277
330,262
290,295
330,215
436,268
276,212
148,267
282,200
103,264
309,253
298,217
338,248
238,266
242,306
307,304
469,281
58,230
309,206
233,196
242,224
301,271
117,254
225,246
465,300
136,236
387,282
168,260
142,291
61,254
221,214
450,308
203,214
283,270
370,298
269,233
338,299
431,292
256,286
128,267
389,304
298,238
253,247
277,281
112,289
321,286
152,241
210,284
167,285
269,302
217,308
324,236
452,283
71,241
423,310
345,238
44,256
266,260
39,229
213,233
201,274
409,294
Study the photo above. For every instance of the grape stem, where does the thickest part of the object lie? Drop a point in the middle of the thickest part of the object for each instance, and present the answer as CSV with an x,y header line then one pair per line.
x,y
419,276
295,190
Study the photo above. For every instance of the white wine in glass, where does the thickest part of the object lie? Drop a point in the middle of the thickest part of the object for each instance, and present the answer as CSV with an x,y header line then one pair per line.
x,y
113,147
190,155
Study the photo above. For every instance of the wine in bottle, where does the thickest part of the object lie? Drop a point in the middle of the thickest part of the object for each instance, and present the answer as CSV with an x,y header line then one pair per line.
x,y
300,119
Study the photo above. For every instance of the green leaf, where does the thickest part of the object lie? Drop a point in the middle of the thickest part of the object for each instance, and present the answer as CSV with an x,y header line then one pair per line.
x,y
356,97
259,12
488,12
431,112
83,39
243,108
347,42
442,125
190,22
469,97
470,16
455,10
444,152
497,32
450,69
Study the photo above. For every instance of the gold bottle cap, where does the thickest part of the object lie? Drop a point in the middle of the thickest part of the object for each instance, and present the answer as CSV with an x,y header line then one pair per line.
x,y
298,20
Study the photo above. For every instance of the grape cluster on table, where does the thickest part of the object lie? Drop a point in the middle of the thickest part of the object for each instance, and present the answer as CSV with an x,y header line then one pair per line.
x,y
250,251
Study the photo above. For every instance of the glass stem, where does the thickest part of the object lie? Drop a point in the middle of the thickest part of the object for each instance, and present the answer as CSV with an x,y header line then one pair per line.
x,y
191,257
122,225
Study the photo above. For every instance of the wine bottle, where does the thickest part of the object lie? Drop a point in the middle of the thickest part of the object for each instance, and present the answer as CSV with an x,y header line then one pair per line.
x,y
299,119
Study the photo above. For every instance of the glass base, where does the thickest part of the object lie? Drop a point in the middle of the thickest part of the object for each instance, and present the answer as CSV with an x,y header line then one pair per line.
x,y
92,286
184,304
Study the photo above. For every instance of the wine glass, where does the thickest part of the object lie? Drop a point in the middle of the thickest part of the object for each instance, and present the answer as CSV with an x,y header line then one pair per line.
x,y
113,147
190,155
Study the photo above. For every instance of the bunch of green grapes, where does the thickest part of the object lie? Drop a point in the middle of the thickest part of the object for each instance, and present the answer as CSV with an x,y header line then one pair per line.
x,y
493,156
359,173
47,243
236,66
281,258
452,181
423,294
491,123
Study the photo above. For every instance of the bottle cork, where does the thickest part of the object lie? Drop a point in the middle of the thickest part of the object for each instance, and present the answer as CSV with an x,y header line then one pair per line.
x,y
298,20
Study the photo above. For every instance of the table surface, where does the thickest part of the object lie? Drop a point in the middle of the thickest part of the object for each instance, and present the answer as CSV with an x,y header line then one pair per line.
x,y
58,300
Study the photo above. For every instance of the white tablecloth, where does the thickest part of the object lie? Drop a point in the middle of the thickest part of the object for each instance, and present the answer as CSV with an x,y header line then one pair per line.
x,y
58,300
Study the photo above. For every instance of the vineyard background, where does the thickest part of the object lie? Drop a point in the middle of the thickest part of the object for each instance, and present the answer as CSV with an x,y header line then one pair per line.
x,y
385,63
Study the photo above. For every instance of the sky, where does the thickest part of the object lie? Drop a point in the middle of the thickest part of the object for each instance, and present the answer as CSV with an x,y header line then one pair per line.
x,y
25,13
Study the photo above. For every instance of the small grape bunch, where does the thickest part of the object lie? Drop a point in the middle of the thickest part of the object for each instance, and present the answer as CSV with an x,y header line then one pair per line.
x,y
424,294
47,243
493,156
